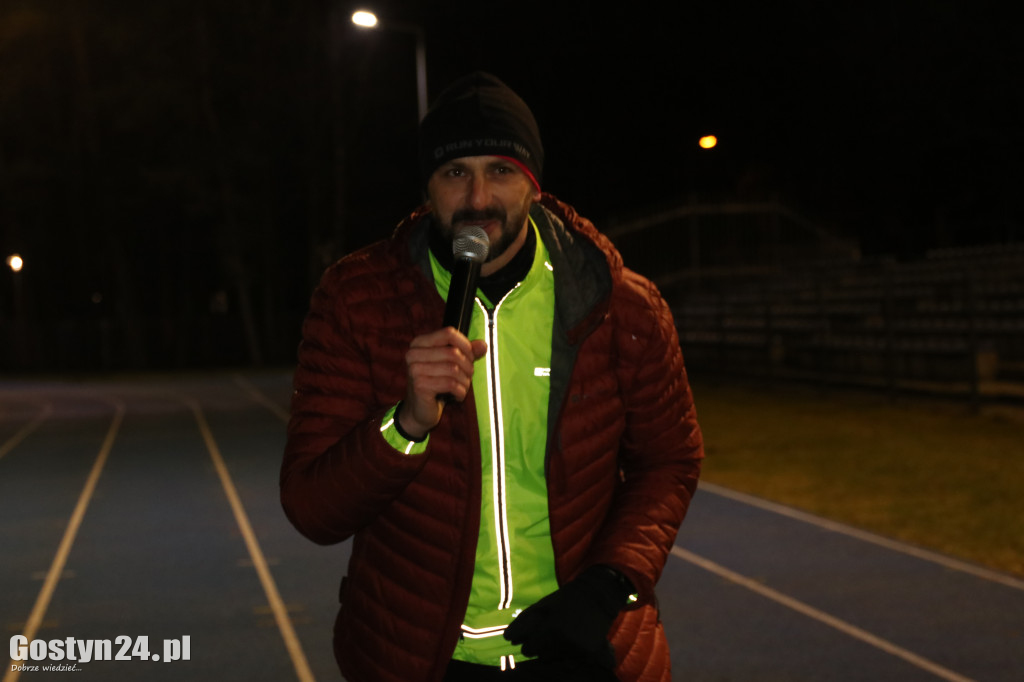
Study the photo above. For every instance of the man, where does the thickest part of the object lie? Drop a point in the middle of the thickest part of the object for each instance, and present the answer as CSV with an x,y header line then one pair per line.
x,y
515,528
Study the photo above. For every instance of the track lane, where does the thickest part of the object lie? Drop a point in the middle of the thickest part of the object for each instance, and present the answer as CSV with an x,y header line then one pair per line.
x,y
248,416
56,570
965,622
159,553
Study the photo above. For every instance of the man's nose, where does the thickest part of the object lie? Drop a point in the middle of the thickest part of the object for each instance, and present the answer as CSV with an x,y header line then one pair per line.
x,y
479,192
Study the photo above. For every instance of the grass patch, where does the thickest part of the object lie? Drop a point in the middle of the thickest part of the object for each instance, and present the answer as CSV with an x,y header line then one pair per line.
x,y
929,473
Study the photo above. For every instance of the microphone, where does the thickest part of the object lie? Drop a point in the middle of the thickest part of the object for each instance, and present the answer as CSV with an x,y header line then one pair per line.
x,y
470,248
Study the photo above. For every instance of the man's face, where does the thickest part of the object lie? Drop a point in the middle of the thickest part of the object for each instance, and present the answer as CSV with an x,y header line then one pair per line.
x,y
488,192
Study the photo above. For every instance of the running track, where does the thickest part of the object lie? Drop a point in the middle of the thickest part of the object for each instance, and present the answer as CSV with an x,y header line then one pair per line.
x,y
148,507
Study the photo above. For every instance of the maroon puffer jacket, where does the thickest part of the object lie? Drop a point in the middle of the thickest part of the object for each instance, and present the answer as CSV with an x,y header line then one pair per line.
x,y
623,458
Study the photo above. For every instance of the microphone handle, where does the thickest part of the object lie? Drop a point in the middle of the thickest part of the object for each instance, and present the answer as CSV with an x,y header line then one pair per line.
x,y
458,308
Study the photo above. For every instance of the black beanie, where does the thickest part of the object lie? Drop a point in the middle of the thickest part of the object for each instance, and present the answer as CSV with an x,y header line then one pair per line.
x,y
478,115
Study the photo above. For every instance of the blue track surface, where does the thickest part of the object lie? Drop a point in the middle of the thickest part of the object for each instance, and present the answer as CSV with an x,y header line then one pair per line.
x,y
148,508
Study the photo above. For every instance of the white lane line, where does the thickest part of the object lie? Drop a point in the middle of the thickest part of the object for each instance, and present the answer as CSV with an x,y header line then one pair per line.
x,y
820,616
24,431
261,398
284,623
35,619
910,550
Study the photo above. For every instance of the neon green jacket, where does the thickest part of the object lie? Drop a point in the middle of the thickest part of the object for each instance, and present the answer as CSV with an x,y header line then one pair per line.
x,y
515,563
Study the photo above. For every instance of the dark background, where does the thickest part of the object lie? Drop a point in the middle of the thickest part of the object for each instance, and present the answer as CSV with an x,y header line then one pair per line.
x,y
185,170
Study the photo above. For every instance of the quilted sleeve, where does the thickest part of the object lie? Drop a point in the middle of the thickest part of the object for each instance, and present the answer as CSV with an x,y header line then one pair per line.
x,y
662,447
339,472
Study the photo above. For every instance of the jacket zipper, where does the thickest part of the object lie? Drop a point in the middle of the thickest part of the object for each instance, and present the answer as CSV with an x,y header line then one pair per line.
x,y
498,455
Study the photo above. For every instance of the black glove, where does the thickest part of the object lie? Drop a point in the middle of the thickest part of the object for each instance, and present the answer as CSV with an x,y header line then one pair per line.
x,y
573,622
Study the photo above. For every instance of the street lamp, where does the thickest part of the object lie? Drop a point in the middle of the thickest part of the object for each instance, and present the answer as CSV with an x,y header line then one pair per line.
x,y
16,263
368,20
365,19
20,349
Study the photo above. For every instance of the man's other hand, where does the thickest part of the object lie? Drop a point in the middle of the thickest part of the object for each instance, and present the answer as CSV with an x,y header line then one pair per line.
x,y
572,623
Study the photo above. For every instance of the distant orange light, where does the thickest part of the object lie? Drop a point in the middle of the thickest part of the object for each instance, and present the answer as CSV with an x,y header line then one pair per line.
x,y
708,141
15,263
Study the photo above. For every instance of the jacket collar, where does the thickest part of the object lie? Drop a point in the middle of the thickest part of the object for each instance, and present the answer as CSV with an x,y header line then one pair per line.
x,y
585,266
585,263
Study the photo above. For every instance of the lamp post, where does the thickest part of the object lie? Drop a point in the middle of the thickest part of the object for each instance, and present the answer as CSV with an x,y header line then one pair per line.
x,y
16,263
368,20
20,346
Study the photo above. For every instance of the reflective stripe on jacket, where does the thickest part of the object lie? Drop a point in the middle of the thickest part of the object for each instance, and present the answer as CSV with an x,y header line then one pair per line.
x,y
515,563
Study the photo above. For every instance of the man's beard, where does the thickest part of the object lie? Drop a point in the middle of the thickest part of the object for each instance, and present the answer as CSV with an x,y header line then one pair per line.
x,y
511,227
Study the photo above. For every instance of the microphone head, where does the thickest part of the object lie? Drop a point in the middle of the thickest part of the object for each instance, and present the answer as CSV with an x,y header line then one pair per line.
x,y
472,243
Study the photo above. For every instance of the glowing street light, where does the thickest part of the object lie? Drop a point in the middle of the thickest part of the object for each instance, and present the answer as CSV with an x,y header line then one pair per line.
x,y
367,19
364,19
708,142
16,263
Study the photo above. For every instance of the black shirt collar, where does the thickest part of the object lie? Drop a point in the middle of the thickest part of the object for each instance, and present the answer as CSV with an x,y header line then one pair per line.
x,y
501,282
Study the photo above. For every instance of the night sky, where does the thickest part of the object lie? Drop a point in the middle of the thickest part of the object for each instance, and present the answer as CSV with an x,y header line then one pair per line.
x,y
172,160
897,122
